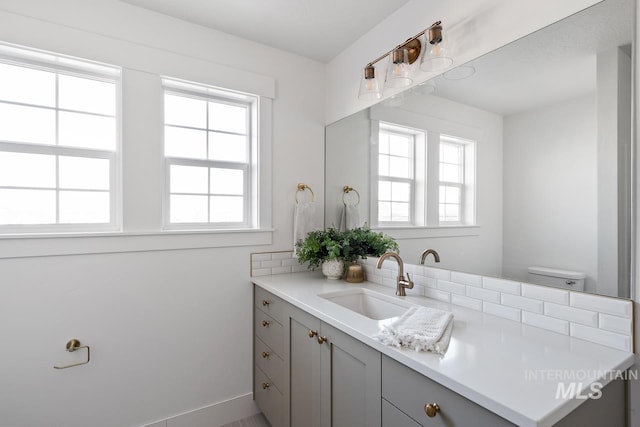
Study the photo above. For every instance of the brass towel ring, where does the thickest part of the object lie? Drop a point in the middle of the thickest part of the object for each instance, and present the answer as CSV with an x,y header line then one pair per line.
x,y
302,187
346,190
72,346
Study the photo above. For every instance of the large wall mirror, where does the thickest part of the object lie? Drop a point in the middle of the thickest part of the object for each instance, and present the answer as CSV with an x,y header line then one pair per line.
x,y
518,159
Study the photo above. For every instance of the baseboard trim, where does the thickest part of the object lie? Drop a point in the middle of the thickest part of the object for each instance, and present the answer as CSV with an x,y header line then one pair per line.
x,y
215,415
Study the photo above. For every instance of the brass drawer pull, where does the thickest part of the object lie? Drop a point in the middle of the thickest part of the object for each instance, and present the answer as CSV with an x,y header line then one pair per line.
x,y
265,323
431,409
322,339
265,302
265,386
312,333
265,354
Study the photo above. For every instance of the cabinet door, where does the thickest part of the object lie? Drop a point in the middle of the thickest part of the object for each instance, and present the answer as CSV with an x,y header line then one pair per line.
x,y
350,382
394,417
304,356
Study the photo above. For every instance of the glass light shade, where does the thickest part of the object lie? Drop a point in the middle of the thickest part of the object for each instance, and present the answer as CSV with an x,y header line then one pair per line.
x,y
435,58
369,85
398,71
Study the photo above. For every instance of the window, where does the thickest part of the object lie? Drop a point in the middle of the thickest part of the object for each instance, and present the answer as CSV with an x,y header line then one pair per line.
x,y
455,178
210,145
59,143
396,158
422,179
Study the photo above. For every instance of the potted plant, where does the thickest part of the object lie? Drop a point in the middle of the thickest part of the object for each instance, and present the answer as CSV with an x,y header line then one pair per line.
x,y
331,248
362,242
323,247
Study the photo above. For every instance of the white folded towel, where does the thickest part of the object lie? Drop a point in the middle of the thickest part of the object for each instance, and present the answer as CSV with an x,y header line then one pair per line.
x,y
420,328
303,221
350,218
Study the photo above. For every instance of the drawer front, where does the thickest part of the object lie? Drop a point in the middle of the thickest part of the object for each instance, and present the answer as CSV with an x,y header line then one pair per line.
x,y
269,362
410,391
393,417
269,304
269,330
269,399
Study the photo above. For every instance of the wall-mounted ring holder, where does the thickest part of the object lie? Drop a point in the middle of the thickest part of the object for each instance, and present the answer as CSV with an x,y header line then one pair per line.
x,y
72,346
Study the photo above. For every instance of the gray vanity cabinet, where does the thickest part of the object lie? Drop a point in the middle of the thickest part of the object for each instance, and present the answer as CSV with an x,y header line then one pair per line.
x,y
335,379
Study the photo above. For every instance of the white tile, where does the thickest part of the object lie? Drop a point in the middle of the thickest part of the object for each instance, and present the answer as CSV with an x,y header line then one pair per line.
x,y
483,294
256,264
454,288
437,273
598,336
371,261
374,278
261,257
417,290
439,295
545,322
413,269
572,314
532,305
545,293
289,262
281,270
617,307
298,268
614,323
466,278
418,279
501,311
282,255
472,303
430,282
392,283
501,285
269,264
261,272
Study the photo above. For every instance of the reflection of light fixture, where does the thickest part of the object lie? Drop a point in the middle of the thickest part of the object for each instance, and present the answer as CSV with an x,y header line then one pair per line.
x,y
436,57
399,70
426,88
459,73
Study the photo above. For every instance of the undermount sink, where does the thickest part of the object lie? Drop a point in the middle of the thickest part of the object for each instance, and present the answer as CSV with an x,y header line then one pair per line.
x,y
368,303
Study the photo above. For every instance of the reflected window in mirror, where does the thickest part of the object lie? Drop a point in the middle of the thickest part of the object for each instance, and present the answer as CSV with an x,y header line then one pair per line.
x,y
456,198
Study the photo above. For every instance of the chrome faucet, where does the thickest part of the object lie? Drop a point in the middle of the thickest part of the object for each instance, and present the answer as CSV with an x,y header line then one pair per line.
x,y
426,253
401,282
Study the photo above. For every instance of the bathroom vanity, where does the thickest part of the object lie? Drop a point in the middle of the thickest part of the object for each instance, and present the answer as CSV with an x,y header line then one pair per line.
x,y
317,365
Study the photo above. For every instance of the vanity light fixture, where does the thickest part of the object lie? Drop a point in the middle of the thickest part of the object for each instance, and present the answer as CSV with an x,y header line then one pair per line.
x,y
400,58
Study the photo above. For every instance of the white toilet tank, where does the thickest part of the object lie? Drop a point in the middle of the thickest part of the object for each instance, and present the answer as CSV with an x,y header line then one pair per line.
x,y
573,280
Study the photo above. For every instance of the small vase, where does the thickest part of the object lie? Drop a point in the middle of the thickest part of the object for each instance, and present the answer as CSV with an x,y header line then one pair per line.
x,y
355,273
333,269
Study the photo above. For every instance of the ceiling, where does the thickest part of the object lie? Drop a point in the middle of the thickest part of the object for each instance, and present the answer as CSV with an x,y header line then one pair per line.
x,y
315,29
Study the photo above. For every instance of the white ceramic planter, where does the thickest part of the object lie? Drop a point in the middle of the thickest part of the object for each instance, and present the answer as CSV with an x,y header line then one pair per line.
x,y
333,269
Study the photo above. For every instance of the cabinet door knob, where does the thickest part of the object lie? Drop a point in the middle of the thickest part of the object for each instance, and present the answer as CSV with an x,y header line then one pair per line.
x,y
265,386
265,323
266,302
322,339
431,409
312,333
265,354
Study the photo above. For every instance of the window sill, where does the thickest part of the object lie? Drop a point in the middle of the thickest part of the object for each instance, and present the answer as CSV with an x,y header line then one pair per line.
x,y
426,232
39,245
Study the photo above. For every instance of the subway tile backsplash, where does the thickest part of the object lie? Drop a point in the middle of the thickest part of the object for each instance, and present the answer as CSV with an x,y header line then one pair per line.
x,y
598,319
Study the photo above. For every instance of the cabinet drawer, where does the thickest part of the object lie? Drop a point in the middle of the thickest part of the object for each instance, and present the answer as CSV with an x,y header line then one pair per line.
x,y
393,417
410,391
269,399
269,330
269,362
269,304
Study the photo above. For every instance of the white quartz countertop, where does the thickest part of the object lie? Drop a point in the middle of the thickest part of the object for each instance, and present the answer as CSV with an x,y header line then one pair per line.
x,y
491,361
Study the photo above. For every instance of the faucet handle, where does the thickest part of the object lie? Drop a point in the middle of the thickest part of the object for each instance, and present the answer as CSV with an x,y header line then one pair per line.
x,y
406,283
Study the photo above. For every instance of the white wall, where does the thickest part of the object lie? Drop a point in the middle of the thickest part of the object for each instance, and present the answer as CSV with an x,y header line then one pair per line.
x,y
550,208
170,330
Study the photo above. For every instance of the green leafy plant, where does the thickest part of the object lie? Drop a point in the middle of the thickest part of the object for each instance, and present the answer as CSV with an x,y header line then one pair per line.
x,y
362,242
326,245
320,246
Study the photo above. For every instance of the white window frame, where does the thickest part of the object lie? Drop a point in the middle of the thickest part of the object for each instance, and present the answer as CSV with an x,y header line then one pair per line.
x,y
250,168
467,178
77,67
